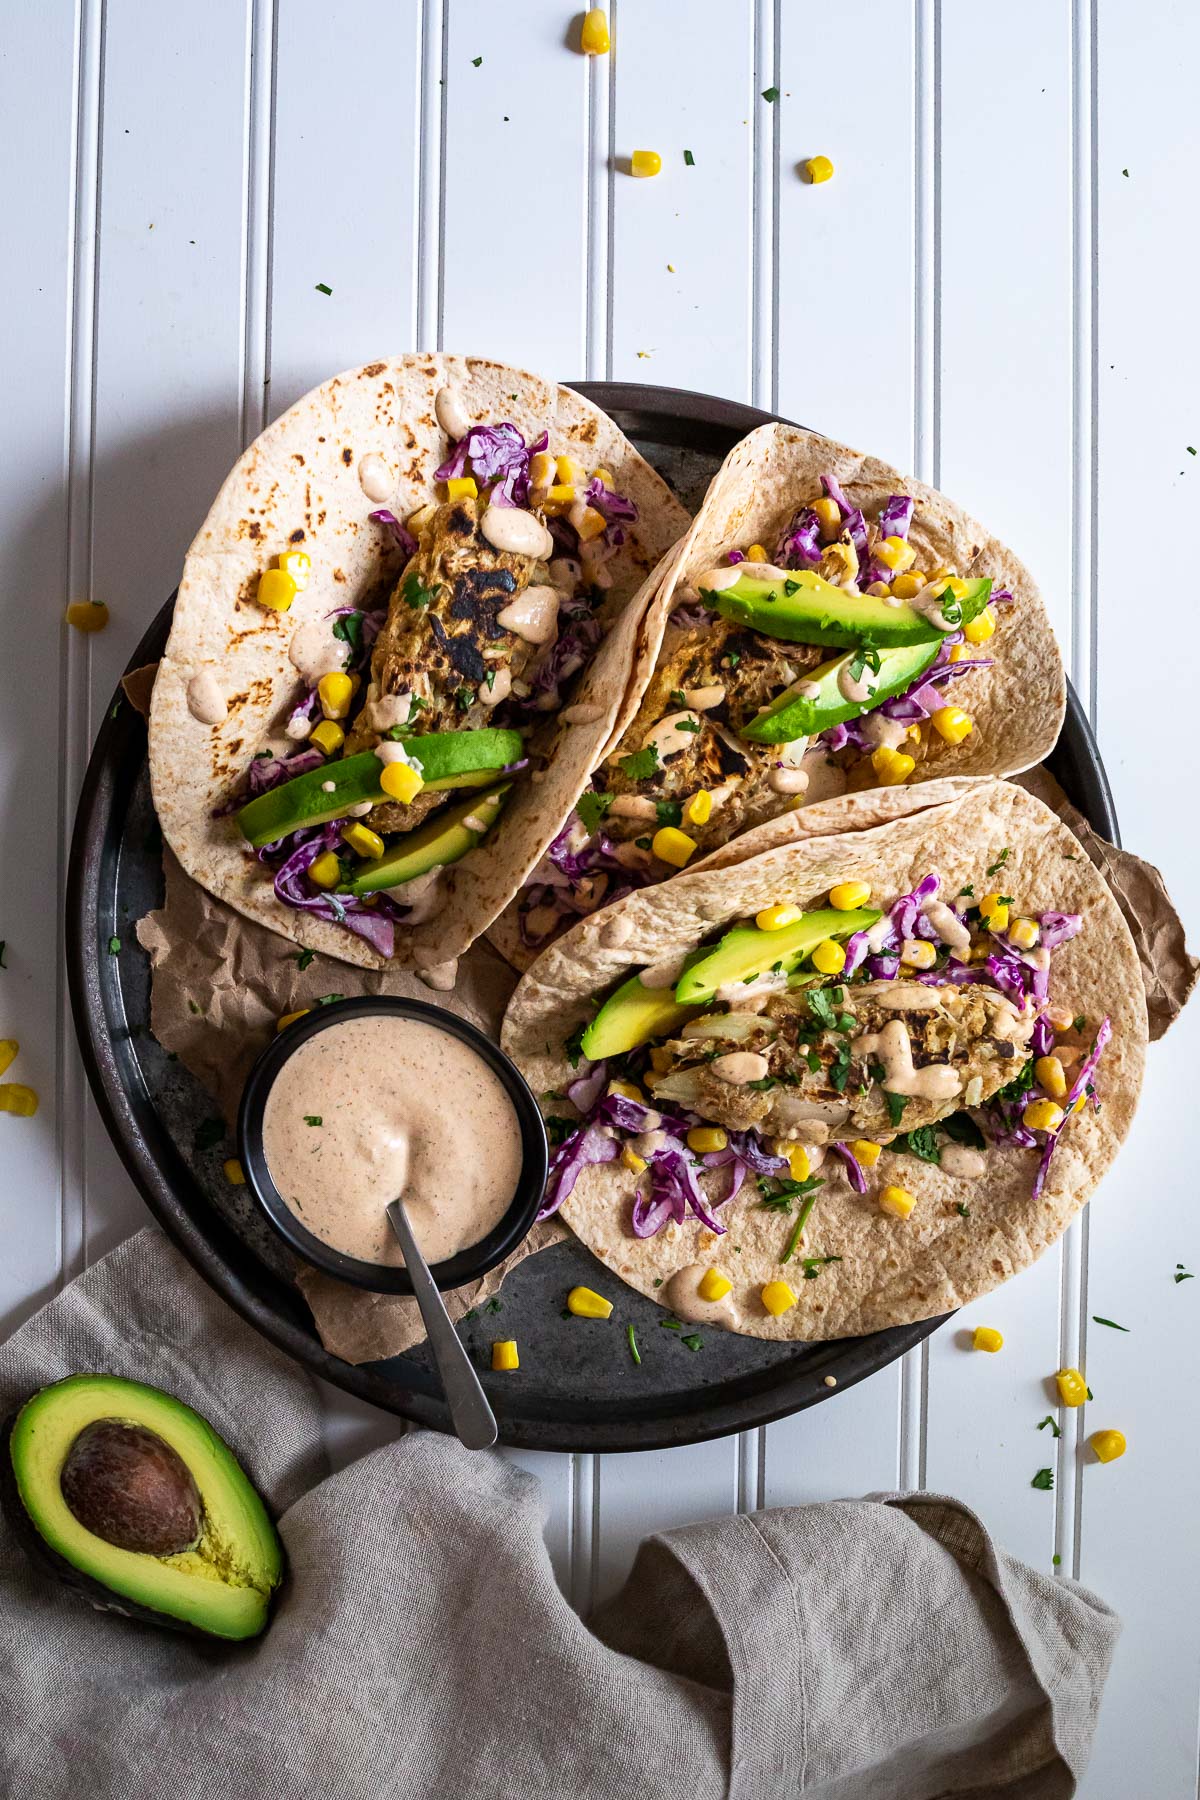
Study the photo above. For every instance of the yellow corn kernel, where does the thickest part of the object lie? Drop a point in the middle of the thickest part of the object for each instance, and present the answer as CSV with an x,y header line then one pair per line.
x,y
714,1285
799,1164
892,767
829,957
952,723
897,1201
325,871
959,588
462,487
698,810
980,629
937,586
400,781
8,1051
87,615
673,846
994,912
328,736
660,1061
1108,1445
567,469
1051,1077
604,477
628,1090
702,1138
778,1298
335,692
594,39
585,1303
818,169
1072,1388
645,162
1042,1115
943,572
363,841
829,518
297,564
848,896
276,589
559,496
867,1151
234,1173
774,918
1024,933
590,524
906,587
757,553
633,1162
914,732
959,653
417,521
541,469
986,1337
504,1354
880,589
18,1100
917,953
896,554
286,1019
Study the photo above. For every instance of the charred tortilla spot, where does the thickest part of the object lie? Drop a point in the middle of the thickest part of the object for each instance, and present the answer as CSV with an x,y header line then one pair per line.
x,y
347,456
371,370
297,537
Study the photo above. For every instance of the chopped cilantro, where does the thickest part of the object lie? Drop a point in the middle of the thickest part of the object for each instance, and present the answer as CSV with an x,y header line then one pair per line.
x,y
327,999
960,1128
463,697
862,659
764,1084
490,679
591,808
1079,1022
999,862
558,1128
689,159
812,1265
324,288
574,1046
114,946
821,1006
209,1133
192,1007
678,697
896,1104
313,1119
778,1192
493,1305
839,1070
670,1325
967,893
770,95
922,1143
692,1341
733,659
1020,1084
1050,1421
668,812
1044,1479
1111,1323
688,725
642,764
964,1212
1182,1274
1089,1393
304,957
413,591
633,1349
476,61
349,629
1056,1559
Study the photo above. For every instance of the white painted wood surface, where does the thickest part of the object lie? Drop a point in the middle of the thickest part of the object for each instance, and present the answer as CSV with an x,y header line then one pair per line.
x,y
983,293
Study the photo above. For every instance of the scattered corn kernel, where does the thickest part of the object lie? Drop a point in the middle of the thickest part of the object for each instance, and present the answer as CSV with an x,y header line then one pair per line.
x,y
959,653
504,1354
848,896
286,1019
1050,1075
1072,1388
297,564
952,723
541,469
17,1099
234,1173
1024,933
798,1160
567,469
628,1090
594,39
633,1162
328,736
363,841
1081,1102
645,162
892,767
914,732
959,588
829,517
585,1303
559,496
604,477
1042,1115
400,781
918,953
703,1138
714,1285
87,615
818,169
774,918
325,871
778,1298
1108,1445
276,589
698,810
589,525
462,487
896,554
897,1201
757,553
8,1051
673,846
907,587
880,589
994,912
987,1338
980,629
335,692
829,957
943,572
867,1151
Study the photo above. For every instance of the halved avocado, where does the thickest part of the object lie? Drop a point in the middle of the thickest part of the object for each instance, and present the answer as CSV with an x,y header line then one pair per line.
x,y
447,837
746,952
132,1500
806,609
793,715
633,1015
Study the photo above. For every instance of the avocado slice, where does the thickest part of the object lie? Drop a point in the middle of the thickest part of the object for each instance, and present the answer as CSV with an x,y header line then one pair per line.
x,y
633,1015
746,952
793,715
806,609
446,838
131,1499
447,759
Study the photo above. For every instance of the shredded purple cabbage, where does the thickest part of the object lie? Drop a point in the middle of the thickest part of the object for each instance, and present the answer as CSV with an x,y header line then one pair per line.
x,y
496,453
376,923
1078,1086
268,771
588,1085
588,1145
606,500
896,516
800,545
1057,927
735,556
852,518
854,1168
401,533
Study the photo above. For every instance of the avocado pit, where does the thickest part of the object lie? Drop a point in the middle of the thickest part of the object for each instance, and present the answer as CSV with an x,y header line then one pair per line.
x,y
126,1484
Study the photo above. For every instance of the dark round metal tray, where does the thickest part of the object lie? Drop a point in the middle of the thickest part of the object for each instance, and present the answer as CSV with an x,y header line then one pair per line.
x,y
578,1388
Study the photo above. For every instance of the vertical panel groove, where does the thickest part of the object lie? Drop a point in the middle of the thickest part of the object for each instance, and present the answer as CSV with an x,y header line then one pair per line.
x,y
429,293
258,207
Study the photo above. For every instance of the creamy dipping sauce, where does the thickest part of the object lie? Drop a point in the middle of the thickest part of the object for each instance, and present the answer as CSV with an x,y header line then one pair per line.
x,y
375,1108
682,1294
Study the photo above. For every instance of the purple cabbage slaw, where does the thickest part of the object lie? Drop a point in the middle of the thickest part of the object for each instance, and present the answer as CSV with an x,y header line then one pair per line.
x,y
376,922
918,701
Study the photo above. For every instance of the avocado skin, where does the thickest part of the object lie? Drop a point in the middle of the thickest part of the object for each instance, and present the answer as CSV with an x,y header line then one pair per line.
x,y
101,1598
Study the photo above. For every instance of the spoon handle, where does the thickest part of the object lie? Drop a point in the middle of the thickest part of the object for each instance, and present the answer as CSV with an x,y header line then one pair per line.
x,y
474,1420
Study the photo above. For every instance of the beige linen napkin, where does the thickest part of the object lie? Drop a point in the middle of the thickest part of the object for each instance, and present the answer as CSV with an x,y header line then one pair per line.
x,y
880,1649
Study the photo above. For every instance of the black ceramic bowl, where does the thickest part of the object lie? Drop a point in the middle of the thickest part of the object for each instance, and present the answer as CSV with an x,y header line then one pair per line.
x,y
382,1278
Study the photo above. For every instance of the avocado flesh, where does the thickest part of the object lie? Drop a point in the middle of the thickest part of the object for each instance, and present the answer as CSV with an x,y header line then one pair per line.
x,y
746,952
223,1586
793,715
806,609
633,1015
447,759
445,839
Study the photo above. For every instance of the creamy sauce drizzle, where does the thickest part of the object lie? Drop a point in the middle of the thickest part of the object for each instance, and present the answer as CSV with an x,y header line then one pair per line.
x,y
856,689
520,533
960,1159
682,1294
533,615
782,780
205,701
674,733
313,650
947,924
937,1081
450,413
374,476
404,1109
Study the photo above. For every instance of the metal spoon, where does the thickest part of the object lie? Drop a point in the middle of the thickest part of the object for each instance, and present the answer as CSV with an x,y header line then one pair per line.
x,y
474,1420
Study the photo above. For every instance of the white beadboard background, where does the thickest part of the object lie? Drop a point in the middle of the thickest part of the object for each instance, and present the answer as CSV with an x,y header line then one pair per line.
x,y
997,290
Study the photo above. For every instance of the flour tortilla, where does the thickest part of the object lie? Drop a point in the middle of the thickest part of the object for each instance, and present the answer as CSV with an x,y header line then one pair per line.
x,y
298,486
892,1271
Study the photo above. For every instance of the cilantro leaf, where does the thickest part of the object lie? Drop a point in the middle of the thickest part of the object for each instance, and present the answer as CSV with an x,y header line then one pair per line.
x,y
821,1006
413,591
1000,861
896,1104
313,1119
114,946
1111,1323
1020,1084
921,1143
693,1341
304,957
960,1128
812,1265
1182,1274
592,808
574,1046
964,1212
689,159
770,95
668,812
1044,1479
349,629
1051,1422
642,764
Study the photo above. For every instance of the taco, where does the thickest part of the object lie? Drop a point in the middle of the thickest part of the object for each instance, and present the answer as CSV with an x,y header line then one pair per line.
x,y
847,1083
399,645
829,627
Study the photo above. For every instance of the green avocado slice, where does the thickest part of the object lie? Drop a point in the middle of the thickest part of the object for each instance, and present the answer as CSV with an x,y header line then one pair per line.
x,y
633,1015
222,1585
447,837
446,759
746,952
806,609
794,715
